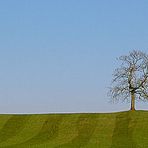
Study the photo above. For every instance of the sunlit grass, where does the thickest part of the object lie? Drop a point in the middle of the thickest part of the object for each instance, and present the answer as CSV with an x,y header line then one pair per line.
x,y
113,130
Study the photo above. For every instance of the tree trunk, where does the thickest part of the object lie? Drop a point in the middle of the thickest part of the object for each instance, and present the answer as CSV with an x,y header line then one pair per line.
x,y
132,101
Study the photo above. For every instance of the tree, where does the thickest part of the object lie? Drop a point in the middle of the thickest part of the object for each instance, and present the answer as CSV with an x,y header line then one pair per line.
x,y
130,80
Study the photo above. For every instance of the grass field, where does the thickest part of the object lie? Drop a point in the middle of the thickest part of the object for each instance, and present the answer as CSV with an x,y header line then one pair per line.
x,y
111,130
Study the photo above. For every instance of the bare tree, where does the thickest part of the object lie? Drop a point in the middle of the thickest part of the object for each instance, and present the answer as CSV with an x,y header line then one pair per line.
x,y
130,80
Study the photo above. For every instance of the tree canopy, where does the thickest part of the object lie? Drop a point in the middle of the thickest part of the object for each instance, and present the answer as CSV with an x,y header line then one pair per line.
x,y
130,80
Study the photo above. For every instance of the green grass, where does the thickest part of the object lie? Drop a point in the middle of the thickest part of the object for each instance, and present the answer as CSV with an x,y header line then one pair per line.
x,y
112,130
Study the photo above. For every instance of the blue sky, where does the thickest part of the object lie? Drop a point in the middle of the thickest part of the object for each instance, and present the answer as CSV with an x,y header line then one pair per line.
x,y
59,56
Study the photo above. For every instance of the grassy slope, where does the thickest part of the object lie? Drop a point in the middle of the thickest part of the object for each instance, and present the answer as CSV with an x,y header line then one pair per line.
x,y
114,130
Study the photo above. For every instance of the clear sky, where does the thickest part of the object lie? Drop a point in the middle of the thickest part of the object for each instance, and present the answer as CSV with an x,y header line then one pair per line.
x,y
59,55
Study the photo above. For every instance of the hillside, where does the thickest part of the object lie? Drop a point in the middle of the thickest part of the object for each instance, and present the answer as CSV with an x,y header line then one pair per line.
x,y
111,130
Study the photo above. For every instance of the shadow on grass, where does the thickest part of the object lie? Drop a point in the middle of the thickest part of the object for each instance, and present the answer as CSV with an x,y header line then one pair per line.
x,y
123,131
